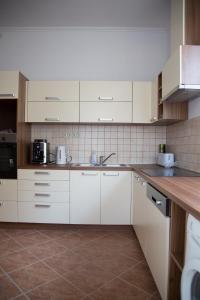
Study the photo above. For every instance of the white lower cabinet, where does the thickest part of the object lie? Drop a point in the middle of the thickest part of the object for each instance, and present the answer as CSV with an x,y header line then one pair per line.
x,y
115,197
85,197
8,200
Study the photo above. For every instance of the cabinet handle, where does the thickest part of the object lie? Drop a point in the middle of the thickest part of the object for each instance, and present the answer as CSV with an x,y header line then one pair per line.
x,y
43,205
42,195
42,184
88,174
52,119
53,98
110,174
105,98
41,173
7,95
105,119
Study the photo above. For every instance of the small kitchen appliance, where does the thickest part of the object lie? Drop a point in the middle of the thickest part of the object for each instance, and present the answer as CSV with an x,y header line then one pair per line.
x,y
166,160
62,156
40,151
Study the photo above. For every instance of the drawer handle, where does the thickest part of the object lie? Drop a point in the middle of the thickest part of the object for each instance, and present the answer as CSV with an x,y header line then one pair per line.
x,y
105,98
105,119
7,95
112,174
41,173
52,119
42,195
43,205
89,174
42,184
53,98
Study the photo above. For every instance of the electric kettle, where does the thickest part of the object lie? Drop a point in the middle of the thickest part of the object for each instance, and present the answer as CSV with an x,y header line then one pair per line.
x,y
61,157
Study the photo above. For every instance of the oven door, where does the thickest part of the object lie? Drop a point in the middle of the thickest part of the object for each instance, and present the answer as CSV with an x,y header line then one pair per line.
x,y
8,160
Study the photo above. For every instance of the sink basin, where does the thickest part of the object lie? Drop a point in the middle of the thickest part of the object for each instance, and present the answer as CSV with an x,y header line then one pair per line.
x,y
115,165
105,165
83,165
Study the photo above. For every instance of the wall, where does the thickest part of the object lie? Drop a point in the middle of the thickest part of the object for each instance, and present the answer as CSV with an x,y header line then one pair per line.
x,y
132,144
84,53
184,140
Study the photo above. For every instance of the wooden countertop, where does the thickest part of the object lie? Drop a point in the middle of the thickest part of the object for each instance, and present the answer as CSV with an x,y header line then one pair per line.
x,y
185,191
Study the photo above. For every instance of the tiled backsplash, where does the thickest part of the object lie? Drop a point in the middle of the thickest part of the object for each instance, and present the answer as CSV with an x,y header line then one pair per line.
x,y
132,144
183,139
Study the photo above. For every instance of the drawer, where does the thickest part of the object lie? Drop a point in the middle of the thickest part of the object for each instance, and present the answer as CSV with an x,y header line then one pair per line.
x,y
53,91
45,186
43,196
43,212
49,112
38,174
8,211
106,91
116,112
8,189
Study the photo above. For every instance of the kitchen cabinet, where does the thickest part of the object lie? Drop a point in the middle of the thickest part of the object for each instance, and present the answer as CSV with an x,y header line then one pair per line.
x,y
142,101
109,101
85,197
43,196
9,84
185,23
115,197
52,101
8,200
154,100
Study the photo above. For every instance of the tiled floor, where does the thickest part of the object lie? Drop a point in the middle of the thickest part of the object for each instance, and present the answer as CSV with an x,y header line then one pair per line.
x,y
80,262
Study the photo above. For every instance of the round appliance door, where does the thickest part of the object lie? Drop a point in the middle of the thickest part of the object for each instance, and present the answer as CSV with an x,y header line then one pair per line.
x,y
190,281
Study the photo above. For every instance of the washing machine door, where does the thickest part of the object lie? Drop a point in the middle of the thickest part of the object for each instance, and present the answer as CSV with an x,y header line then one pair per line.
x,y
190,281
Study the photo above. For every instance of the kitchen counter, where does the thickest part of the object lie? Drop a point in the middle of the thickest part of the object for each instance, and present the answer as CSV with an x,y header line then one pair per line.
x,y
185,191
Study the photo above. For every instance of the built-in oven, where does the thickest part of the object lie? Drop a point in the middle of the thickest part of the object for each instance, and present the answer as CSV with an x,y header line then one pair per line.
x,y
8,156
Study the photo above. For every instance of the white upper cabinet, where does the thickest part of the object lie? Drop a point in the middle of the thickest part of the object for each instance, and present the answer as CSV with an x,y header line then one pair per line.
x,y
53,91
106,91
142,101
154,100
9,84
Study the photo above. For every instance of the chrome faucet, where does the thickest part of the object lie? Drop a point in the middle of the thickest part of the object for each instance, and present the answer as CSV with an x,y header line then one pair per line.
x,y
102,159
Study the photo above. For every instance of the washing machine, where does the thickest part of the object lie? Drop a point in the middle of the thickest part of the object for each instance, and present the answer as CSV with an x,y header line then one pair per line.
x,y
190,280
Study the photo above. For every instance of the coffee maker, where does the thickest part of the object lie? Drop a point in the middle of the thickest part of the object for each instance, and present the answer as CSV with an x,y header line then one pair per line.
x,y
40,151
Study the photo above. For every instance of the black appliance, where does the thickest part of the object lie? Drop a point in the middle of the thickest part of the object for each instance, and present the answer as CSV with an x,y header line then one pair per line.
x,y
169,172
8,156
40,151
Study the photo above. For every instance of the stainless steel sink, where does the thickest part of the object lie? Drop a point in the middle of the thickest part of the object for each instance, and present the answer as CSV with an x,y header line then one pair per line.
x,y
105,165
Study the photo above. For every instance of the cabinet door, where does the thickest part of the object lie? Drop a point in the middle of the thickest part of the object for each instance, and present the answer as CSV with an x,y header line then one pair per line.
x,y
177,32
8,211
154,100
141,102
9,84
8,189
106,91
116,112
53,91
115,197
53,112
85,197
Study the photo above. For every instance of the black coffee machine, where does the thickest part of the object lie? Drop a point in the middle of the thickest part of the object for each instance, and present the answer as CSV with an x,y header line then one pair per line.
x,y
40,151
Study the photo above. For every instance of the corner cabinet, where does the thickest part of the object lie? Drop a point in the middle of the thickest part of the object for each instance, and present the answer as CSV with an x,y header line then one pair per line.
x,y
52,101
109,101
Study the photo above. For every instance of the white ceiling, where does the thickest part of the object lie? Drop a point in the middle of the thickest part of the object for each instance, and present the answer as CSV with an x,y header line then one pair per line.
x,y
98,13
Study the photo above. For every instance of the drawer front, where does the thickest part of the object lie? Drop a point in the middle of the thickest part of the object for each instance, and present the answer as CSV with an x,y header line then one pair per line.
x,y
45,186
8,211
8,189
43,213
43,196
118,112
38,174
53,91
53,112
105,91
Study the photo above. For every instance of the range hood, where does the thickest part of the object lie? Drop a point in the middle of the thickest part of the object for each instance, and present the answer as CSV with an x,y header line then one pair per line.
x,y
183,93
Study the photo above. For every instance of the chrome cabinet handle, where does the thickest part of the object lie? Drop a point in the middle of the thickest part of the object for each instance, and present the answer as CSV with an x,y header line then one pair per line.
x,y
105,119
43,205
105,98
52,98
41,173
41,195
42,184
88,174
7,95
52,119
110,174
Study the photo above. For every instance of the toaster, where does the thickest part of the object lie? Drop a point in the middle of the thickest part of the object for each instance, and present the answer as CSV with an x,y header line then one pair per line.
x,y
166,160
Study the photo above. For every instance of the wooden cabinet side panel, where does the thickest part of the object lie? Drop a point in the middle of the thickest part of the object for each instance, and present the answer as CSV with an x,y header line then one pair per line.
x,y
190,65
192,22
